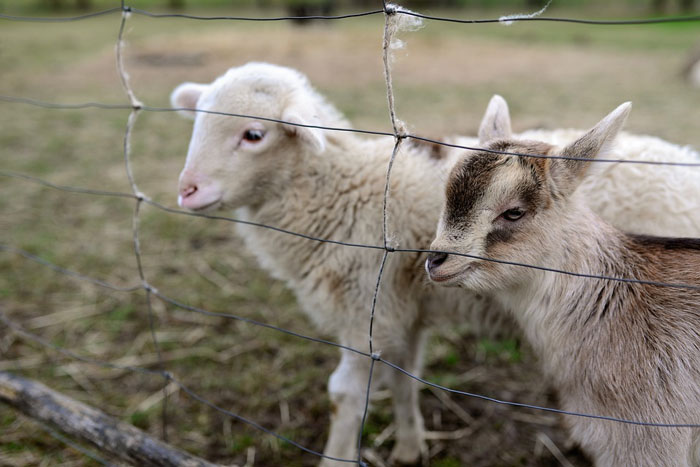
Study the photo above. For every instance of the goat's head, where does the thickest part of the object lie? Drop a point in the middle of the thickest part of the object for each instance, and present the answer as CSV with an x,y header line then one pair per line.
x,y
508,207
234,161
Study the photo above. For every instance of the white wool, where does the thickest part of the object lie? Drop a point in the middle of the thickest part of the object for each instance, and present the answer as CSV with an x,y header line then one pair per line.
x,y
634,197
694,74
507,20
400,19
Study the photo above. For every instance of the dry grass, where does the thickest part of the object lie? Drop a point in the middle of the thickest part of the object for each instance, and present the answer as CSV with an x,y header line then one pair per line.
x,y
552,75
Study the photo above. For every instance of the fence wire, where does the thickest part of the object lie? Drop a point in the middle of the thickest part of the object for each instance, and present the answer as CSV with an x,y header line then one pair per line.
x,y
400,136
136,107
387,9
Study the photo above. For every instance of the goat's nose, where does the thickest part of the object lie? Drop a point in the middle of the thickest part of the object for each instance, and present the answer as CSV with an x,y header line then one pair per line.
x,y
434,260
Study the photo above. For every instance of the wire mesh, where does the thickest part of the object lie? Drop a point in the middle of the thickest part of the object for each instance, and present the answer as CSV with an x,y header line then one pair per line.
x,y
399,134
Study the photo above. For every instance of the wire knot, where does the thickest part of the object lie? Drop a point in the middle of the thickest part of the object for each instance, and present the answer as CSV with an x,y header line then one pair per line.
x,y
389,9
375,356
149,288
126,9
390,249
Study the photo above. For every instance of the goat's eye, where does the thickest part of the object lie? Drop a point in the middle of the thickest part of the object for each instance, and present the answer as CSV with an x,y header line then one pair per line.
x,y
253,135
513,214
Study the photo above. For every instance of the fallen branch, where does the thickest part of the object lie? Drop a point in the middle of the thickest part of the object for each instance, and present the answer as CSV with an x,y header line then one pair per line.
x,y
82,421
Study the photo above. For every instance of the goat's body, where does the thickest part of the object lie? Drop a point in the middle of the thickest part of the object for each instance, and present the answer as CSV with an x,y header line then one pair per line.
x,y
623,350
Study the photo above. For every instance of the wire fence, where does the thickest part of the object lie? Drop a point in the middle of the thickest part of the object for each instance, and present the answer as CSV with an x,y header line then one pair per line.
x,y
399,135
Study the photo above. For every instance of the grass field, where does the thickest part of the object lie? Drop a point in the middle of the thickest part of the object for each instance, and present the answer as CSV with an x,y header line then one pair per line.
x,y
553,75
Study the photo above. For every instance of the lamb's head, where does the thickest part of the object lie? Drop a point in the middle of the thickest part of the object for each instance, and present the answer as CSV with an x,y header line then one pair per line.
x,y
236,161
511,208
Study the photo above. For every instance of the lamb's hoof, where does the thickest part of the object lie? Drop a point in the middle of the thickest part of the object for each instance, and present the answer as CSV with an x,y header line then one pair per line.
x,y
399,463
413,455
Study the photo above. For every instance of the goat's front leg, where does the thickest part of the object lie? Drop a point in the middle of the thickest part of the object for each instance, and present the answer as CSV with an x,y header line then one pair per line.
x,y
347,389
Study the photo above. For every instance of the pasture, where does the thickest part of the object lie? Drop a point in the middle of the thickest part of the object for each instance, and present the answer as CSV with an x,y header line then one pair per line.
x,y
553,75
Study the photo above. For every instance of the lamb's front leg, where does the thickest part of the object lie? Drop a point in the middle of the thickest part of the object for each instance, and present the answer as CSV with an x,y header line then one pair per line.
x,y
347,389
410,432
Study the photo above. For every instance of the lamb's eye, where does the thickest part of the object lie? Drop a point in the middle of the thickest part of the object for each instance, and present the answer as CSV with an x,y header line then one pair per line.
x,y
253,135
513,214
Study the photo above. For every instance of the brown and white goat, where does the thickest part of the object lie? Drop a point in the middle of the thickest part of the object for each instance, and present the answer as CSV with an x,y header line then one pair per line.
x,y
619,349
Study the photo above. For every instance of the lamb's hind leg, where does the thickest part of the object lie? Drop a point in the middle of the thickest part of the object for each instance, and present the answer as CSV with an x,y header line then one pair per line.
x,y
347,389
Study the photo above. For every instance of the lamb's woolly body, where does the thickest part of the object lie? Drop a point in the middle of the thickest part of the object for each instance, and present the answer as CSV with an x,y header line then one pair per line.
x,y
627,196
336,193
339,197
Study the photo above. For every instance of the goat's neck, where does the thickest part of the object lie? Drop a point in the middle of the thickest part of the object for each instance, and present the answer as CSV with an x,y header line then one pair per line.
x,y
558,312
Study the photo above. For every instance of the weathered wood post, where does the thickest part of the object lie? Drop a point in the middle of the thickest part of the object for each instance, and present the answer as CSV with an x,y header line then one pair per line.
x,y
86,423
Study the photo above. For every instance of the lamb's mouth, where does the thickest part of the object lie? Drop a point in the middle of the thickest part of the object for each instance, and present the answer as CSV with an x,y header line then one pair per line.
x,y
207,207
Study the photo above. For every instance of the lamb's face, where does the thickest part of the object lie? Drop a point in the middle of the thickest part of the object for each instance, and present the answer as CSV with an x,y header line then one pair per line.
x,y
494,208
234,161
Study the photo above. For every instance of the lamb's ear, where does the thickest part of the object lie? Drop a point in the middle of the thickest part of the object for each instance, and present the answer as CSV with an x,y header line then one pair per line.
x,y
313,138
567,173
496,121
185,96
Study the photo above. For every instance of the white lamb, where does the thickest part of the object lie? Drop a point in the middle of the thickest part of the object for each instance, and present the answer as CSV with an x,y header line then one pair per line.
x,y
330,184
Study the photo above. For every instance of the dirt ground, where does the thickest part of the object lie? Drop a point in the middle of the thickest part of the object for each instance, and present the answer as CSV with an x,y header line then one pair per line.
x,y
553,75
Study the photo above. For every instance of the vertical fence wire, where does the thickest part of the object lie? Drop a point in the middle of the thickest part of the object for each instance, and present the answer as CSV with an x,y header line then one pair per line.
x,y
131,122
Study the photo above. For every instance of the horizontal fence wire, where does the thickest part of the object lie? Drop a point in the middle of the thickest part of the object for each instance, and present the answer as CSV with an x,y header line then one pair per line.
x,y
387,248
387,10
146,108
135,107
374,357
162,373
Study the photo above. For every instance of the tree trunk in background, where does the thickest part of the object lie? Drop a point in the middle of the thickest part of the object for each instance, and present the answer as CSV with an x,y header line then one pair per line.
x,y
176,4
687,6
83,4
659,6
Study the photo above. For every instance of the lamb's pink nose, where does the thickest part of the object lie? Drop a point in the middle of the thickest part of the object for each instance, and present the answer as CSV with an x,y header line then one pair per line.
x,y
185,192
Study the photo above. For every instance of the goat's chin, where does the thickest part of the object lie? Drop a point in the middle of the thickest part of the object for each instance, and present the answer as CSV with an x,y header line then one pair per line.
x,y
454,278
475,279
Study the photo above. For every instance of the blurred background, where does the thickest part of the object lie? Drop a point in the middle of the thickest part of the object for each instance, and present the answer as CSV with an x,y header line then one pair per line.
x,y
552,75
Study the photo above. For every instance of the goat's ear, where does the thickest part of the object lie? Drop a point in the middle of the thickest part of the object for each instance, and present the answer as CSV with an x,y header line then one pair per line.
x,y
568,173
313,138
496,121
185,97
